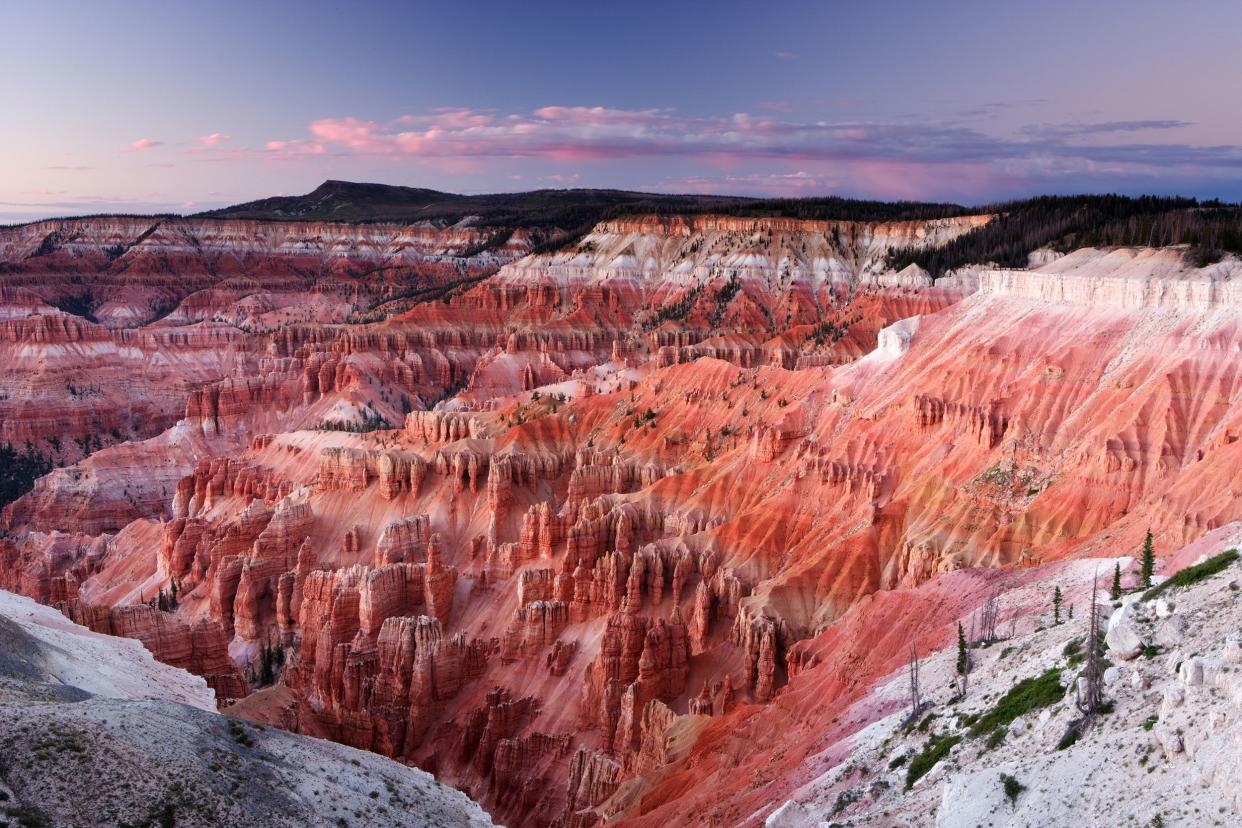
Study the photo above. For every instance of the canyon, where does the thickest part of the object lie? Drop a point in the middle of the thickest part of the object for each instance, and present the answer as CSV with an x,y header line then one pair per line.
x,y
636,528
97,733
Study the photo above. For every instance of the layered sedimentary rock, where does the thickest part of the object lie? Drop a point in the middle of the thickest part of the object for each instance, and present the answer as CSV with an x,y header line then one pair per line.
x,y
107,325
200,648
558,537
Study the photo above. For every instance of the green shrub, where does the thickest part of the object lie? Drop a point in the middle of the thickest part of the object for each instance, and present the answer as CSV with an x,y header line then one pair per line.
x,y
937,747
239,734
1013,788
1025,696
1195,574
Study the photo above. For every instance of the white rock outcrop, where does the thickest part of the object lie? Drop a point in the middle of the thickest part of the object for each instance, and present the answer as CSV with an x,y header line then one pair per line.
x,y
1122,638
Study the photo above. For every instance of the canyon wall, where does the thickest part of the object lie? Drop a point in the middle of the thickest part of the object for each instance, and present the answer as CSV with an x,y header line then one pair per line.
x,y
566,535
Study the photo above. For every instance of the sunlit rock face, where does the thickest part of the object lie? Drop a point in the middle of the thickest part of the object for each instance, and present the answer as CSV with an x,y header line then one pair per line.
x,y
562,535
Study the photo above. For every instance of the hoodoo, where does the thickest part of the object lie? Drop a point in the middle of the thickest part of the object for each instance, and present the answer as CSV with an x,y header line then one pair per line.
x,y
563,535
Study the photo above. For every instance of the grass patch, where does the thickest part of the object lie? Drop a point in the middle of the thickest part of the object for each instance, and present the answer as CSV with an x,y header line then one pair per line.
x,y
996,737
1025,696
937,747
1195,574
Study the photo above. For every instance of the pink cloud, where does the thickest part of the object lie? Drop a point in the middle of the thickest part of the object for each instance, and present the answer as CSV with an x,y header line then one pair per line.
x,y
141,144
214,138
900,159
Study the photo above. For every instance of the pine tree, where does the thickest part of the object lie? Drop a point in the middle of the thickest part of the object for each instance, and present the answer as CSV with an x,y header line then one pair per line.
x,y
963,661
1056,605
266,674
1149,560
1115,592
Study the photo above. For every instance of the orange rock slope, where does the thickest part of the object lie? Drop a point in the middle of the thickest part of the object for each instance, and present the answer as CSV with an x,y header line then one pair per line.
x,y
567,536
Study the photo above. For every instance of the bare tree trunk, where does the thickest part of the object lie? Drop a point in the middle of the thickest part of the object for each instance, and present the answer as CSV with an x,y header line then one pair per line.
x,y
1089,696
989,616
916,701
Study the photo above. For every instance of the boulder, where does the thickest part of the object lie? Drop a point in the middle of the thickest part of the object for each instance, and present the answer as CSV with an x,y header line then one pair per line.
x,y
1170,740
1171,632
1191,672
1174,697
1122,638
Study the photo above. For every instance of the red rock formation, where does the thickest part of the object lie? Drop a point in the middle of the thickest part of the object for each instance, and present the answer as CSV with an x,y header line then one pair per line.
x,y
201,648
578,605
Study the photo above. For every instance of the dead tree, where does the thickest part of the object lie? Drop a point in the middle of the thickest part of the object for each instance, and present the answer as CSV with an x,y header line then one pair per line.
x,y
1089,695
989,616
1088,692
916,700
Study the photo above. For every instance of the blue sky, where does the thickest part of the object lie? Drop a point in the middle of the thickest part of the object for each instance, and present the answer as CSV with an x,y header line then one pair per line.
x,y
184,106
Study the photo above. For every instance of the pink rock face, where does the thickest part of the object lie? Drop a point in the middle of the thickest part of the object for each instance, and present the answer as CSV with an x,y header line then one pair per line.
x,y
563,545
201,647
172,304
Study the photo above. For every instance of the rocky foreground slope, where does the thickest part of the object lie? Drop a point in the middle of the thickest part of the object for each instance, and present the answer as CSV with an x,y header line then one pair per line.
x,y
1012,751
624,531
97,733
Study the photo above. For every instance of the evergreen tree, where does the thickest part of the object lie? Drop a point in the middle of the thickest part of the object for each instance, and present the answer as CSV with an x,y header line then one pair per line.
x,y
266,673
1115,592
19,471
1056,605
963,662
1149,560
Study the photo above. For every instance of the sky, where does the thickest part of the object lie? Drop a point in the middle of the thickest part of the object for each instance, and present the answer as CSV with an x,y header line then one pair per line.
x,y
134,106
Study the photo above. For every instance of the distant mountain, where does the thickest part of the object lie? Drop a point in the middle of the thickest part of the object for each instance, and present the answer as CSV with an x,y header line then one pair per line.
x,y
555,216
355,202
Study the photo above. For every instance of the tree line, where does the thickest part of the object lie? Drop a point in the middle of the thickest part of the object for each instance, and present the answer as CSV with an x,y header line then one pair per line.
x,y
1064,223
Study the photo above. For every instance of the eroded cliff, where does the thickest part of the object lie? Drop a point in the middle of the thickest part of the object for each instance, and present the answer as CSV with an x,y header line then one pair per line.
x,y
563,536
